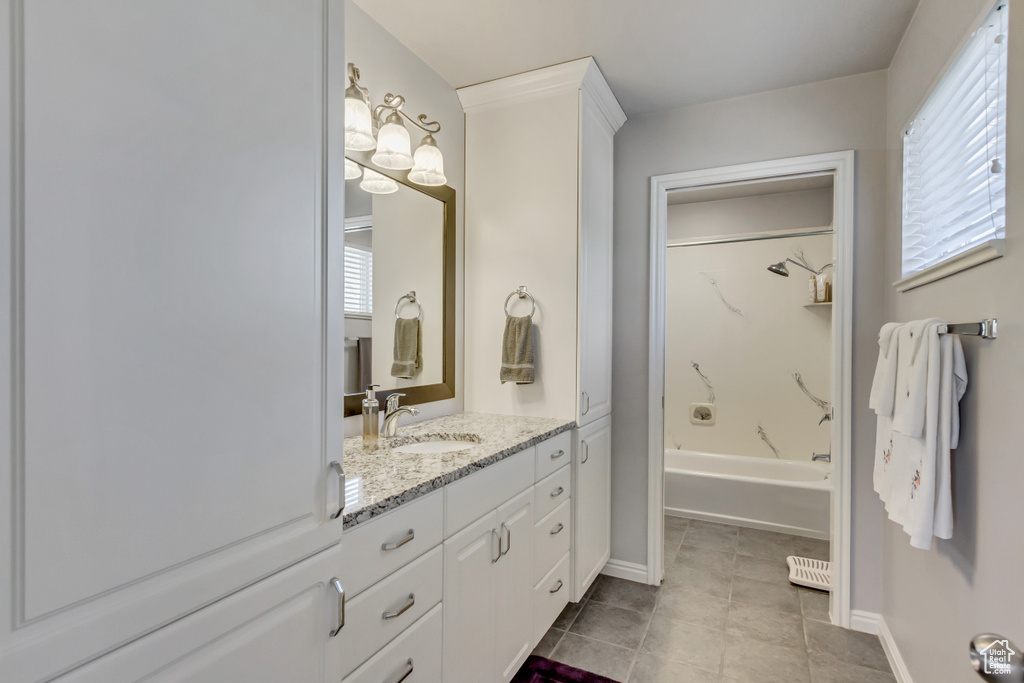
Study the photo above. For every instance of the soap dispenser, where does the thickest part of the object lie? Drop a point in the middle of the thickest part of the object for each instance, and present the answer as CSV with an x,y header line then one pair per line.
x,y
371,421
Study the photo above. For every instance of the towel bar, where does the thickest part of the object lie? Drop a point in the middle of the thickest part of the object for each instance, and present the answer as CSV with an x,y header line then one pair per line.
x,y
986,329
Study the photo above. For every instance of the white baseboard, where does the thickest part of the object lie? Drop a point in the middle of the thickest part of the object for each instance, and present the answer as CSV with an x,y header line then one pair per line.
x,y
899,667
631,571
748,523
867,622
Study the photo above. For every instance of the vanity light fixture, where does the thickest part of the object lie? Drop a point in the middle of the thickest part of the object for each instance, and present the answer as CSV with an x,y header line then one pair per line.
x,y
392,148
375,183
352,170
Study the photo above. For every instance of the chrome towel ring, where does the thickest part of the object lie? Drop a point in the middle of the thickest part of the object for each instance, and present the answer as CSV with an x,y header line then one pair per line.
x,y
522,294
411,296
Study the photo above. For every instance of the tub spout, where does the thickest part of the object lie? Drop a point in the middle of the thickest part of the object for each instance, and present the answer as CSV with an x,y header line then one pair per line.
x,y
826,457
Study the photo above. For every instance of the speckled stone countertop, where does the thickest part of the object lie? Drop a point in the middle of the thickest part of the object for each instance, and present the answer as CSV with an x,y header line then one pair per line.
x,y
382,479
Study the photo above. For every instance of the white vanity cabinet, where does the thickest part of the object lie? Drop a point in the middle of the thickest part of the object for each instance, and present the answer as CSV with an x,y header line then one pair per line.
x,y
546,225
592,494
175,384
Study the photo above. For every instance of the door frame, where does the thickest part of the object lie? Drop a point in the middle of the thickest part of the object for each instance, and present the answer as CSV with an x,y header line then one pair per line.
x,y
841,165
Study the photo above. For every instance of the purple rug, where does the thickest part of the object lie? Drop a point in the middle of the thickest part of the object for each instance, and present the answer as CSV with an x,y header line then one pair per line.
x,y
540,670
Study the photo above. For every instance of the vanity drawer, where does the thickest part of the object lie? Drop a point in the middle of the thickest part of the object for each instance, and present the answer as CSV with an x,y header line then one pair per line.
x,y
550,595
419,648
551,539
551,492
472,497
553,453
407,532
412,590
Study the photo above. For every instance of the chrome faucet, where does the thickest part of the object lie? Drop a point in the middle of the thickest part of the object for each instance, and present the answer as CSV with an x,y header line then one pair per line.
x,y
392,412
827,457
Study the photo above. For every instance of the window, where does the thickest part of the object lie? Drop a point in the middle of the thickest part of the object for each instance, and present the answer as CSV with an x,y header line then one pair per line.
x,y
954,155
358,280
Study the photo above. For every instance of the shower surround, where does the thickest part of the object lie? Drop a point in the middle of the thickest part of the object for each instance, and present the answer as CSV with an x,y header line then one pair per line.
x,y
743,339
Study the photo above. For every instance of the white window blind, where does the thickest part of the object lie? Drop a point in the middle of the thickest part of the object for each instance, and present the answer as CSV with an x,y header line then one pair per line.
x,y
954,155
358,280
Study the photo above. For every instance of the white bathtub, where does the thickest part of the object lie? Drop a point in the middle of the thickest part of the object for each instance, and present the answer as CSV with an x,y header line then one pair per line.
x,y
778,495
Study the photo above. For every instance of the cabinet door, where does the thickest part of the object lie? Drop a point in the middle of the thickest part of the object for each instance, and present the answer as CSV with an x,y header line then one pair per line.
x,y
514,614
276,630
592,496
470,587
172,400
595,267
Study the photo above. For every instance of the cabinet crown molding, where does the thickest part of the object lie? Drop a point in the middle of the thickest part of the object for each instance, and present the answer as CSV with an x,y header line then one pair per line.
x,y
579,74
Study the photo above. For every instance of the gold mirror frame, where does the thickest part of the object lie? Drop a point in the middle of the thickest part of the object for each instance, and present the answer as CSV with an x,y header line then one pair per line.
x,y
444,389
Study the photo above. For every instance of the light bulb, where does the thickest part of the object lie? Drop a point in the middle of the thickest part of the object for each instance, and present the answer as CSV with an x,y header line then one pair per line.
x,y
358,122
393,146
428,164
375,183
352,170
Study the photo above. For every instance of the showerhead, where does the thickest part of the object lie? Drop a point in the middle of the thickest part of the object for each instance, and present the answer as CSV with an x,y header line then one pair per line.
x,y
779,269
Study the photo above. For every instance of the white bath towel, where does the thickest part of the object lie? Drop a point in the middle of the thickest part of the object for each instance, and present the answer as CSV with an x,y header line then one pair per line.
x,y
883,388
912,377
918,467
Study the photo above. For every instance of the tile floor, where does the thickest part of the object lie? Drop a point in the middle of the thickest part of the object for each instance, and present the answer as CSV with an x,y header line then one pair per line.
x,y
726,613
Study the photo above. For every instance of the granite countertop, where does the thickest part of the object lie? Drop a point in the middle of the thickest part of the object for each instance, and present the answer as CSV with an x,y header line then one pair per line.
x,y
382,479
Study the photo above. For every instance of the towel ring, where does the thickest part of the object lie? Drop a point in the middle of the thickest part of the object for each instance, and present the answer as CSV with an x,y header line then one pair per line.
x,y
411,296
522,294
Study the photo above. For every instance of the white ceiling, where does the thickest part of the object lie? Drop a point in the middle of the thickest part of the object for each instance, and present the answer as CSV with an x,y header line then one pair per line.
x,y
656,54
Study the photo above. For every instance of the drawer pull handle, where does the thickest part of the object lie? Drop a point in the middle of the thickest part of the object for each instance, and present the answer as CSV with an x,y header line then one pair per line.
x,y
557,492
586,452
586,397
495,534
341,605
336,466
405,672
557,455
508,544
398,544
405,608
557,529
558,587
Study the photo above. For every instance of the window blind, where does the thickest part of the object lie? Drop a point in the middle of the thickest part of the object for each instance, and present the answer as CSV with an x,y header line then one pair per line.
x,y
358,280
954,181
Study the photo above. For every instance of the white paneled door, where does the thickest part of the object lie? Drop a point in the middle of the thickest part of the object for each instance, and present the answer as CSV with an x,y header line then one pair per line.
x,y
592,524
174,393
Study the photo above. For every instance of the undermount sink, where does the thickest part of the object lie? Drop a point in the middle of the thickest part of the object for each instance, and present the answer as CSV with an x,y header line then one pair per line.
x,y
435,446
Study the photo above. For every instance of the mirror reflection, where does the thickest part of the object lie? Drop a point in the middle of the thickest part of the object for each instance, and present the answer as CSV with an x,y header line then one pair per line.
x,y
394,283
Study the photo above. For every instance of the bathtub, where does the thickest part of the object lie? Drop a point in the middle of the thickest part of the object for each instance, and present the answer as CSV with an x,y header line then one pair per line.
x,y
778,495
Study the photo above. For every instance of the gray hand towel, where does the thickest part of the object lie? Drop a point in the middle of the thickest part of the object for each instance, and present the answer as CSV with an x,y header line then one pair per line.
x,y
517,350
408,351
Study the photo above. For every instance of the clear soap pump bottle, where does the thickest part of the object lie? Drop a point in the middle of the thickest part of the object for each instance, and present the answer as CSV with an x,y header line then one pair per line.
x,y
371,413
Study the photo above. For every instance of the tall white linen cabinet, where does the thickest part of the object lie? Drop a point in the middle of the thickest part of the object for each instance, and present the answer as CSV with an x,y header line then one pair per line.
x,y
539,178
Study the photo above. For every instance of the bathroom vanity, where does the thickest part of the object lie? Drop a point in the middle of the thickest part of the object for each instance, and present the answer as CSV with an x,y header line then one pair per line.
x,y
456,563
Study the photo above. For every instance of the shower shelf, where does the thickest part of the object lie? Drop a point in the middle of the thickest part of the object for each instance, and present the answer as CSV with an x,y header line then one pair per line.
x,y
818,305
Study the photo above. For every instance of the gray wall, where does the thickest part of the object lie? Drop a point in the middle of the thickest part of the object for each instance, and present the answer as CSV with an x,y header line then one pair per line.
x,y
845,113
935,600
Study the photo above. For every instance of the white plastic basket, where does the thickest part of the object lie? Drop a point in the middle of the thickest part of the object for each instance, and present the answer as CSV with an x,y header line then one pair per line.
x,y
804,571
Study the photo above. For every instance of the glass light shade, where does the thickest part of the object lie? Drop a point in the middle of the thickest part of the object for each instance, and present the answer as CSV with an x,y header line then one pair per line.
x,y
352,170
358,124
394,150
428,164
375,183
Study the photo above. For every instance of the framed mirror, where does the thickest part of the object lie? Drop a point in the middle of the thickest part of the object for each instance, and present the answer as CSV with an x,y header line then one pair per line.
x,y
399,286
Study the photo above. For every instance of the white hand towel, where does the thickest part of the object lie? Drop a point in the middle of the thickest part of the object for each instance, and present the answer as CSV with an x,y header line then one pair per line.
x,y
883,388
953,385
912,377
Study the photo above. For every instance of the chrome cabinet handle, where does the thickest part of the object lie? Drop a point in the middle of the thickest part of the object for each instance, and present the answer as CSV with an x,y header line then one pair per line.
x,y
558,587
495,534
557,529
557,492
403,610
336,466
398,544
586,452
341,605
586,397
508,545
559,454
405,672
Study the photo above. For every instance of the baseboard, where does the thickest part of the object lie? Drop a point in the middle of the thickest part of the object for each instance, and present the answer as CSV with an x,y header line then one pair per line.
x,y
631,571
899,667
867,622
748,523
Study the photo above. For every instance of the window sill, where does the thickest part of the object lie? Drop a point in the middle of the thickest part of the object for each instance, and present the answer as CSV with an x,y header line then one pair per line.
x,y
991,249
